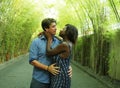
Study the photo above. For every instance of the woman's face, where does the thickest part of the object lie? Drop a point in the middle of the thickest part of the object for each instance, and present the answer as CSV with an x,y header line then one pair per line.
x,y
62,32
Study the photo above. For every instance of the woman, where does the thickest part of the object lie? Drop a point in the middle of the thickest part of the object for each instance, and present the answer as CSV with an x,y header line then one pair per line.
x,y
61,55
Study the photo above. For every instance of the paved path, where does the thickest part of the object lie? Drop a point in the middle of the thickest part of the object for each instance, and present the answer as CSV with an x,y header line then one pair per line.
x,y
18,75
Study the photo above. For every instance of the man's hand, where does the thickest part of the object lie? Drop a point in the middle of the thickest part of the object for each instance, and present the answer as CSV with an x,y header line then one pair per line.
x,y
53,69
70,71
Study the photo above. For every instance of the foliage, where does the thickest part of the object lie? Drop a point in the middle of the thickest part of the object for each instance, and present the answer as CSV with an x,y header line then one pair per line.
x,y
97,22
17,23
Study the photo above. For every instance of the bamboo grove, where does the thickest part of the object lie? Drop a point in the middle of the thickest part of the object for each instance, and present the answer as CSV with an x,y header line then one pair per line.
x,y
98,22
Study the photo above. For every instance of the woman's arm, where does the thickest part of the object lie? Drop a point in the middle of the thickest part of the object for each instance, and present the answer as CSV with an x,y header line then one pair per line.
x,y
59,49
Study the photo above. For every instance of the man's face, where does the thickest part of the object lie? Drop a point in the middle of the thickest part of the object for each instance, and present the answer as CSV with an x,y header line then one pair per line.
x,y
52,29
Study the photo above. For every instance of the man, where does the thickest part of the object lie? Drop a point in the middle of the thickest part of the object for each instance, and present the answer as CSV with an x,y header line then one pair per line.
x,y
37,57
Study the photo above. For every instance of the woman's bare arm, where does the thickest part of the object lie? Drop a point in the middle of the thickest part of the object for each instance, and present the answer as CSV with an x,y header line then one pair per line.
x,y
59,49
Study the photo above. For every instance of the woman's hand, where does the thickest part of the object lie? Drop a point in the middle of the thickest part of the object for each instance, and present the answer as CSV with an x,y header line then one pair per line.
x,y
48,35
41,33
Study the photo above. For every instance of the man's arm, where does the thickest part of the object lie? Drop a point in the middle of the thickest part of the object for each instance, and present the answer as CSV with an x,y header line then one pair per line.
x,y
33,59
52,68
39,65
70,71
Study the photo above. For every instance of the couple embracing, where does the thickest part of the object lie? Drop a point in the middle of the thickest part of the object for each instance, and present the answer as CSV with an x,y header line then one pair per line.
x,y
50,56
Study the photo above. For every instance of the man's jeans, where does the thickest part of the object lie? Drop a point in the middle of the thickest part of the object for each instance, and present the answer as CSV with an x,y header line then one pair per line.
x,y
37,84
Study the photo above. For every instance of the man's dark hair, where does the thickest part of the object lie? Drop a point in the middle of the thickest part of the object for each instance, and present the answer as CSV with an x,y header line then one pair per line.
x,y
71,33
47,22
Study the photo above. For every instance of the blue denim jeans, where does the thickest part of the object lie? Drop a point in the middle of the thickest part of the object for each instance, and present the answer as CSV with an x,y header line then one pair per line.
x,y
37,84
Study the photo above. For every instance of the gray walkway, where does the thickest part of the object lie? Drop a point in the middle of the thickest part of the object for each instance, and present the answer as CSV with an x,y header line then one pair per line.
x,y
18,75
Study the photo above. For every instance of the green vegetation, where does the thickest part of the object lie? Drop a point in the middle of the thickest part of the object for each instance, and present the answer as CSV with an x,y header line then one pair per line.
x,y
17,24
98,22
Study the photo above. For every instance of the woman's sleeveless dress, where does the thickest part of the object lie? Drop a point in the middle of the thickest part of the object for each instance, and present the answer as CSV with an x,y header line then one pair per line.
x,y
62,80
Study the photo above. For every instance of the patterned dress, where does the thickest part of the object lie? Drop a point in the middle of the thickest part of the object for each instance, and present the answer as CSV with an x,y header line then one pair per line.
x,y
62,80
